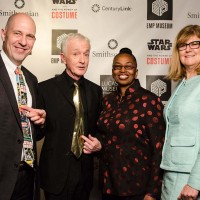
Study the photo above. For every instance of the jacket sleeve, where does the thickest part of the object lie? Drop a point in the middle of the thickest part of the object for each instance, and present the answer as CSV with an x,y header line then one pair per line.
x,y
155,130
194,179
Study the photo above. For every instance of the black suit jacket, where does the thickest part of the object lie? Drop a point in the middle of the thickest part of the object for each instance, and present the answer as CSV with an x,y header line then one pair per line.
x,y
57,165
11,136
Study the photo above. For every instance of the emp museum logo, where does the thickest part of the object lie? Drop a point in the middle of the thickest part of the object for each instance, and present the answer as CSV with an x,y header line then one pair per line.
x,y
159,9
57,37
159,86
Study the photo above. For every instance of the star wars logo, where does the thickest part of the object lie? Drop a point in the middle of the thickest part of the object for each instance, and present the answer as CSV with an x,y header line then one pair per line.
x,y
64,1
159,44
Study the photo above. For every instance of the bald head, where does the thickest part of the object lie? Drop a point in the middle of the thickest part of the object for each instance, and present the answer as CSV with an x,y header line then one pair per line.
x,y
18,37
20,17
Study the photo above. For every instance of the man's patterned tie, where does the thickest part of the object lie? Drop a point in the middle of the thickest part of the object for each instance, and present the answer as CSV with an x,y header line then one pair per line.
x,y
28,155
77,142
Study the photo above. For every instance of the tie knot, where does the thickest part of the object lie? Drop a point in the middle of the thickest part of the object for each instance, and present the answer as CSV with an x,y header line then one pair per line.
x,y
76,85
18,71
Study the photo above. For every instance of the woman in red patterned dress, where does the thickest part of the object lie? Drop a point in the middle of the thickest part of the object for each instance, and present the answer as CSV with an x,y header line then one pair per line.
x,y
132,127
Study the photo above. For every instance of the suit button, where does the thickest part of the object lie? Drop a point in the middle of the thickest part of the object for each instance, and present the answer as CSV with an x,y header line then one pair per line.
x,y
19,141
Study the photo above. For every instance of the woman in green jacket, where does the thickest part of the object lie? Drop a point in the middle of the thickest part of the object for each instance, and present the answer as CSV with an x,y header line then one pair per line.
x,y
181,151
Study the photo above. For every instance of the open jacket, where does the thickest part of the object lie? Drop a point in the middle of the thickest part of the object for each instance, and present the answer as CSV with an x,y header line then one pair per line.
x,y
56,162
11,135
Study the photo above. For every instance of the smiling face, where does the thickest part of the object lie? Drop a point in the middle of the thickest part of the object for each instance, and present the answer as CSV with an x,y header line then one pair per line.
x,y
189,57
128,72
76,57
18,38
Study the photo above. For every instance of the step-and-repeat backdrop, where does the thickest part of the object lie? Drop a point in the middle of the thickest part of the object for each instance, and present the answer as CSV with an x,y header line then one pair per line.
x,y
147,27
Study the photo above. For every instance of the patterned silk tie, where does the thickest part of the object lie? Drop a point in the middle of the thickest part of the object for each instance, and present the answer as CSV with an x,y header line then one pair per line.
x,y
77,142
28,155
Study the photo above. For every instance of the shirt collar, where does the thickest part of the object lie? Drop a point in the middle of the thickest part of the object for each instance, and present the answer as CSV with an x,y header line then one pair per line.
x,y
10,66
131,89
71,81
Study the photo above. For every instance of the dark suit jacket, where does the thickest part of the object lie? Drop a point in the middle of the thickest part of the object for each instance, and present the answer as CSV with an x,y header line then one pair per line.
x,y
57,164
11,136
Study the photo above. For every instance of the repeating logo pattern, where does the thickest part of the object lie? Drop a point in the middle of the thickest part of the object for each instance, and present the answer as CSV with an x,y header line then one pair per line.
x,y
159,85
96,8
19,4
57,36
112,44
64,1
108,84
159,9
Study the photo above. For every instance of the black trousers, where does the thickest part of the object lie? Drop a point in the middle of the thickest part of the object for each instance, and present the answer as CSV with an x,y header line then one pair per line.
x,y
113,197
24,186
77,194
75,186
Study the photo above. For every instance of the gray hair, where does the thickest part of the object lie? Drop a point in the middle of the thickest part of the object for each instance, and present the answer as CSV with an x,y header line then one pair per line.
x,y
71,36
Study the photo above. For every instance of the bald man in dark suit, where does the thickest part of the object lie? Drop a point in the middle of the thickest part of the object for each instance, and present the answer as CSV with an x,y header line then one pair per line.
x,y
17,178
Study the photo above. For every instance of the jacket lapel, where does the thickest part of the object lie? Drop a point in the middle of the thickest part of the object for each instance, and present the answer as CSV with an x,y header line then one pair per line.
x,y
5,79
65,89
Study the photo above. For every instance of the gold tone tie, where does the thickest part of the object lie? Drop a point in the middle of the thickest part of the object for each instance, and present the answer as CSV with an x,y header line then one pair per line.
x,y
27,135
77,142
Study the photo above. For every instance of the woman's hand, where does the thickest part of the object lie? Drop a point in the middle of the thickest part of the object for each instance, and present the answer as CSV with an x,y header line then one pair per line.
x,y
188,193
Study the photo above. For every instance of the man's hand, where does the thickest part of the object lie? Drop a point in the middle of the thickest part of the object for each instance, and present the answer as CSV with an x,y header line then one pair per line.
x,y
91,144
37,116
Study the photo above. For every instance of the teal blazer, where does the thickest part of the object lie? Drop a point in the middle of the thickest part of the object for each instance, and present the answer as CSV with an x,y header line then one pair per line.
x,y
181,151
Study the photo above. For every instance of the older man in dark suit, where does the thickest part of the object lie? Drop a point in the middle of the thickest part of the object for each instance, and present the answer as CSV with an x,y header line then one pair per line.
x,y
67,172
18,134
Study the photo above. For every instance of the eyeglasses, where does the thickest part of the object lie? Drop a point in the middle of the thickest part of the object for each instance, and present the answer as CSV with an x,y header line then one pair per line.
x,y
192,45
126,67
